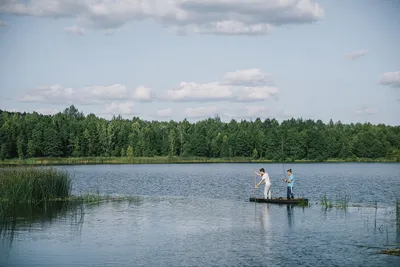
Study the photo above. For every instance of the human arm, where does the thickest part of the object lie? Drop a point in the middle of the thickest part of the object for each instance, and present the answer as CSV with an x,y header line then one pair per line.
x,y
262,180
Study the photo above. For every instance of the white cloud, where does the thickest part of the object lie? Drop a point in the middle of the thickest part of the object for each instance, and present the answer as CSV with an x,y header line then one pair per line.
x,y
57,94
257,111
250,94
143,93
117,108
364,110
391,79
240,86
44,111
227,27
164,113
226,17
75,30
249,77
288,114
111,92
357,54
53,94
2,23
47,111
201,112
244,85
199,92
253,112
14,110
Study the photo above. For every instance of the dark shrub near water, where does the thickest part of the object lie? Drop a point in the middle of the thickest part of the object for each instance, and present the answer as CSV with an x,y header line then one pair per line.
x,y
33,185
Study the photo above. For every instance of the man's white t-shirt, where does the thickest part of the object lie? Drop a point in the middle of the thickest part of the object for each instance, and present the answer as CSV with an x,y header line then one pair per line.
x,y
266,178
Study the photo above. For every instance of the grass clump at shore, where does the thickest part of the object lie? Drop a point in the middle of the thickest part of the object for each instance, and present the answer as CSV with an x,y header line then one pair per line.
x,y
33,185
36,189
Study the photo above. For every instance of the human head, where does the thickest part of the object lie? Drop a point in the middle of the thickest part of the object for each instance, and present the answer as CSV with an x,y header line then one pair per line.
x,y
289,172
262,170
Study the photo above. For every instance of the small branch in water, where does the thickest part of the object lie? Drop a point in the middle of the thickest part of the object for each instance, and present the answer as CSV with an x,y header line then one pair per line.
x,y
392,252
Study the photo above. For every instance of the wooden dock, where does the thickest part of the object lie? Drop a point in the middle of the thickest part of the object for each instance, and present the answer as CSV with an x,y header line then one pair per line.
x,y
280,200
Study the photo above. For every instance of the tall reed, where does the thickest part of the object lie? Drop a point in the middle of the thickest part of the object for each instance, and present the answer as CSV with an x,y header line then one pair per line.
x,y
33,185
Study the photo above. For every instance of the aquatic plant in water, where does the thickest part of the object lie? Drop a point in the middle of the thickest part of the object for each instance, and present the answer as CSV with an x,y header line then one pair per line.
x,y
33,185
325,202
341,203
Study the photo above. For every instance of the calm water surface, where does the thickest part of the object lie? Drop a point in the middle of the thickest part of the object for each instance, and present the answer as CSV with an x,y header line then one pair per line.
x,y
199,215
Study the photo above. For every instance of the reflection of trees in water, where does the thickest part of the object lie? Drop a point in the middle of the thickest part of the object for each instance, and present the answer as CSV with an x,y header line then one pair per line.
x,y
21,217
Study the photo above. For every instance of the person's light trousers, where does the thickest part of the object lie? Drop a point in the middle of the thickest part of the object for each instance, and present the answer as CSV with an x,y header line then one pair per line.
x,y
267,191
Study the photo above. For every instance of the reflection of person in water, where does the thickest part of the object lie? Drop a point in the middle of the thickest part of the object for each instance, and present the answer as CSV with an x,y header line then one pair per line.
x,y
264,218
290,213
398,233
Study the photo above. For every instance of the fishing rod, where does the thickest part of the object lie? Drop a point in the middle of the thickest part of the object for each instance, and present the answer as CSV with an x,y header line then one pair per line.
x,y
283,160
255,175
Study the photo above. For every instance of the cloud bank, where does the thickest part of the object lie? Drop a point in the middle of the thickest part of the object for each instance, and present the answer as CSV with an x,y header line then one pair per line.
x,y
391,79
123,108
91,95
219,17
240,86
250,85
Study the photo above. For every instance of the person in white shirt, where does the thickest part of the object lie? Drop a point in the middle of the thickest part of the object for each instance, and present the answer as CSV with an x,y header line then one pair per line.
x,y
265,178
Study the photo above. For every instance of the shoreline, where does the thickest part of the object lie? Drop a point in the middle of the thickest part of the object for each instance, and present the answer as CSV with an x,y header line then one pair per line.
x,y
167,160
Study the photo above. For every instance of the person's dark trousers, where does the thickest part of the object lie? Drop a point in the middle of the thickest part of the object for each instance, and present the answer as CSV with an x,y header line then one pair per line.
x,y
289,193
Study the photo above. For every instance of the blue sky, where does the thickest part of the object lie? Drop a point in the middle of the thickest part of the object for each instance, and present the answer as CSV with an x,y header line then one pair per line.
x,y
195,59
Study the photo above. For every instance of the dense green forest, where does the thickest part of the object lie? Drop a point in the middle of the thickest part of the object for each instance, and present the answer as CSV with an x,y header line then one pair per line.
x,y
72,134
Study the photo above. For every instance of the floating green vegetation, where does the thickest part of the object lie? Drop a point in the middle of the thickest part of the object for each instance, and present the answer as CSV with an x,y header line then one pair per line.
x,y
90,198
303,203
87,198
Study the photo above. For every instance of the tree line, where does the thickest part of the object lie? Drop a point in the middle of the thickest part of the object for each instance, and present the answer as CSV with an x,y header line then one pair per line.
x,y
72,134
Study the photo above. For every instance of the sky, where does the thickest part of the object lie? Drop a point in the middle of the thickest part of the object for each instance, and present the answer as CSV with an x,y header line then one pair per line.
x,y
195,59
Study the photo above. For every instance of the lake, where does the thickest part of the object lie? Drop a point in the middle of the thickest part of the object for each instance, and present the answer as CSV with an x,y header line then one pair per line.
x,y
199,215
